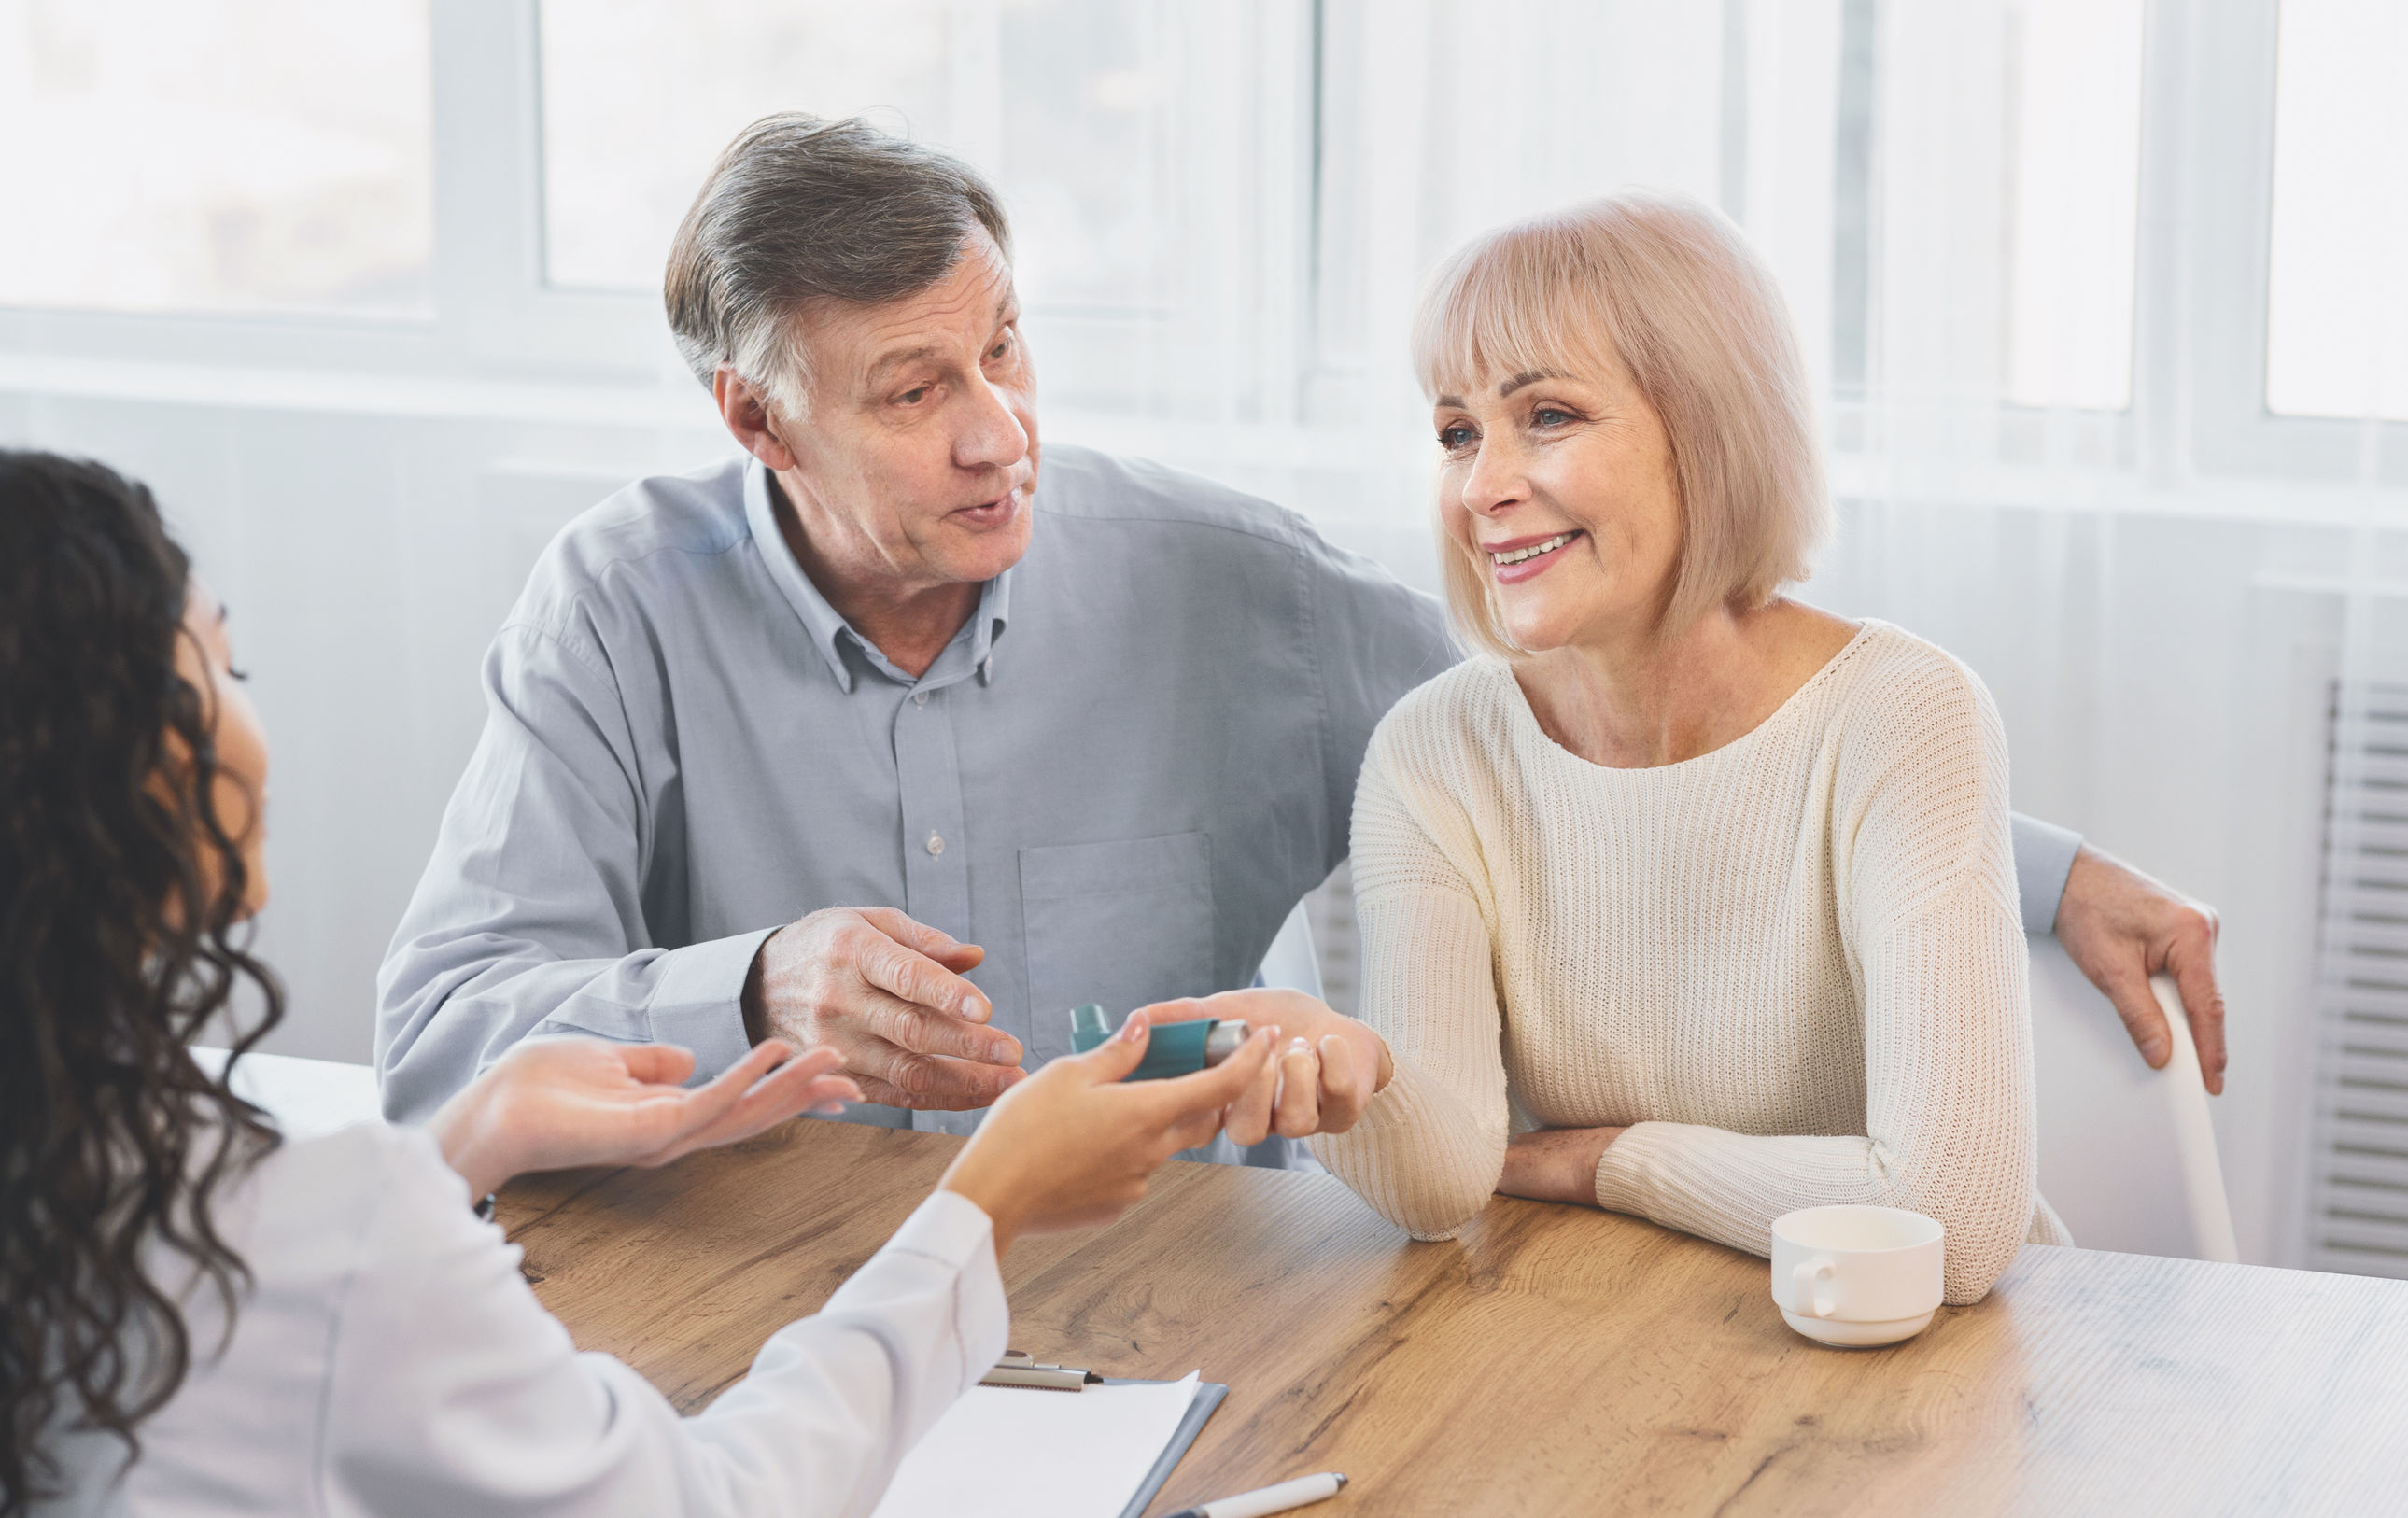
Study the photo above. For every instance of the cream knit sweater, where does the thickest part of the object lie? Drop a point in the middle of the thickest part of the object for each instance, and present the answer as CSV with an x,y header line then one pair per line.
x,y
1794,966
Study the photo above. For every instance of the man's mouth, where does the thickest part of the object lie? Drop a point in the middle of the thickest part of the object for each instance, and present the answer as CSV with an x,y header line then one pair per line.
x,y
987,512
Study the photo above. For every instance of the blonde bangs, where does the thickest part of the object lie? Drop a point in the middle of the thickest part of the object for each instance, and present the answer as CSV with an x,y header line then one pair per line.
x,y
1512,301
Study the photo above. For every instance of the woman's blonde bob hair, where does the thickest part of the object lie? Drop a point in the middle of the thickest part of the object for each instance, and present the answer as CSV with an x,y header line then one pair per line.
x,y
1670,291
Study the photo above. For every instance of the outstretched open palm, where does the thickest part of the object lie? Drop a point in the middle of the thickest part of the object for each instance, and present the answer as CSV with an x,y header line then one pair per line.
x,y
555,1103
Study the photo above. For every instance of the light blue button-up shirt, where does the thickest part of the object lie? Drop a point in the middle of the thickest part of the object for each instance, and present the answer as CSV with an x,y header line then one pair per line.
x,y
1118,778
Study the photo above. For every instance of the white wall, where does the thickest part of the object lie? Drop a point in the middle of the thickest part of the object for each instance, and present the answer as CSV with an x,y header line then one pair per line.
x,y
2162,676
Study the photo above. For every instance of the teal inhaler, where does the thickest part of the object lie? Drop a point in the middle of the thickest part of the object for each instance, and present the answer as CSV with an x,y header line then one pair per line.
x,y
1173,1048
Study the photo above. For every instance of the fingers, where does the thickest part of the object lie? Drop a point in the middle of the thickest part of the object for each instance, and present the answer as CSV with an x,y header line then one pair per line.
x,y
1116,1056
1249,1118
2128,986
1201,1100
1342,1086
1299,1098
1184,1010
2191,960
762,1097
658,1064
950,956
927,1085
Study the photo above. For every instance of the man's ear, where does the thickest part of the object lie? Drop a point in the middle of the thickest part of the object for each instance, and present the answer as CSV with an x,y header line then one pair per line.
x,y
750,418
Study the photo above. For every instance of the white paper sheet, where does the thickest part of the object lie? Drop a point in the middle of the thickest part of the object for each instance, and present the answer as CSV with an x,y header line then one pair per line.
x,y
1015,1452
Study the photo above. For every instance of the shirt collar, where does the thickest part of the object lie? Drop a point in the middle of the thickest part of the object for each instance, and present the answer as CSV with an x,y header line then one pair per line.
x,y
828,629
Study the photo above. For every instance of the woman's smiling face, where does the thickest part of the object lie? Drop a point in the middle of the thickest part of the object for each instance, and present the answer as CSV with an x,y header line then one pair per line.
x,y
1561,489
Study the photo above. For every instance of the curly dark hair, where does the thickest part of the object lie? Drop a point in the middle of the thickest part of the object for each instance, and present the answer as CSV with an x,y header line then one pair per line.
x,y
118,888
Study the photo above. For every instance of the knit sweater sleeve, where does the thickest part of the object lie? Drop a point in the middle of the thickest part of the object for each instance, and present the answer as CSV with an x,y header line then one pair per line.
x,y
1430,1147
1926,885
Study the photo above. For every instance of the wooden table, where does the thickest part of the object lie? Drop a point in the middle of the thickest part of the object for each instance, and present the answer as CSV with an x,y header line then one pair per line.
x,y
1553,1360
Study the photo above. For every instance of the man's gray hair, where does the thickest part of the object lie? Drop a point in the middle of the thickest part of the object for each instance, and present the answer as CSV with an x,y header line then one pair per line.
x,y
799,211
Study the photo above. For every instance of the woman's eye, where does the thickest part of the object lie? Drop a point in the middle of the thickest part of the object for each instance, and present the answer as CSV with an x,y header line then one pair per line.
x,y
1549,415
1455,437
243,675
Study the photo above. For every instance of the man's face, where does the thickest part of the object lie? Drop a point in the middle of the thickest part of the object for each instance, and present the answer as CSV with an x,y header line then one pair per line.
x,y
913,465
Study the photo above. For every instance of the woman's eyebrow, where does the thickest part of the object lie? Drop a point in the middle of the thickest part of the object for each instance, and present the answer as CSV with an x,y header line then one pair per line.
x,y
1527,377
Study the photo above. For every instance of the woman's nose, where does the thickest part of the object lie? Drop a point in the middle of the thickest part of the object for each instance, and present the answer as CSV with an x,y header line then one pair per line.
x,y
1495,481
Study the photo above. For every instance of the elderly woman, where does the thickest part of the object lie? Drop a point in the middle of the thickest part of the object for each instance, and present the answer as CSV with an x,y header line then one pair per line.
x,y
1686,900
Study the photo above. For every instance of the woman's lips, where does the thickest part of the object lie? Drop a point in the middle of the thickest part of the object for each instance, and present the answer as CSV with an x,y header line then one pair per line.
x,y
1524,558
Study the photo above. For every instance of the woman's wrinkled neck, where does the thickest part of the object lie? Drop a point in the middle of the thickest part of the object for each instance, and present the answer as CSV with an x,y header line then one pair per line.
x,y
1649,696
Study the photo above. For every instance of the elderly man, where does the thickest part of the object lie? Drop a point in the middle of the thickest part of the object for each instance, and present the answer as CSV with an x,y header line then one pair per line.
x,y
883,738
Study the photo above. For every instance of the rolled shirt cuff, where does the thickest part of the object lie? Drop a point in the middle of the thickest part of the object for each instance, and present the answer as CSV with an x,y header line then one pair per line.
x,y
699,1000
2044,858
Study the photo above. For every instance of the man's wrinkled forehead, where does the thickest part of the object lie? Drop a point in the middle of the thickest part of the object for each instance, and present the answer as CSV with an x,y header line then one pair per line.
x,y
955,315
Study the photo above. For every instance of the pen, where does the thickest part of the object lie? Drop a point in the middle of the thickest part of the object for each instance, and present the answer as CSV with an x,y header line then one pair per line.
x,y
1271,1500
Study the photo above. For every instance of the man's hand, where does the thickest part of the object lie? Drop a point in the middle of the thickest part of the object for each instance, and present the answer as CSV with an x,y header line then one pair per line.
x,y
556,1102
1328,1067
887,995
1074,1145
2122,927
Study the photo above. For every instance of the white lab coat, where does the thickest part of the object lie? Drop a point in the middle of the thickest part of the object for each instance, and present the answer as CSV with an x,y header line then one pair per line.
x,y
389,1359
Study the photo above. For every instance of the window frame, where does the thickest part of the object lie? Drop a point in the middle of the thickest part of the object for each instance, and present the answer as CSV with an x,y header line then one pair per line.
x,y
2198,405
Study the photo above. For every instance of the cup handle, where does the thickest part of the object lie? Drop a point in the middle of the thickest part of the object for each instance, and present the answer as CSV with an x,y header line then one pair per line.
x,y
1805,1278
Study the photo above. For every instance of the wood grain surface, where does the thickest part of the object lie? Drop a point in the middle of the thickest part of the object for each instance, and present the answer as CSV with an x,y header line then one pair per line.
x,y
1552,1360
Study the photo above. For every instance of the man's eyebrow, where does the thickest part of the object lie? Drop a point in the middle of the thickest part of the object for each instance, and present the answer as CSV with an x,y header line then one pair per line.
x,y
1527,377
902,356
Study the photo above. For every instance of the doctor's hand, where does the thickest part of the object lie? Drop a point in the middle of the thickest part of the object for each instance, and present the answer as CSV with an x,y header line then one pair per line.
x,y
1073,1145
2122,927
1328,1068
887,995
553,1103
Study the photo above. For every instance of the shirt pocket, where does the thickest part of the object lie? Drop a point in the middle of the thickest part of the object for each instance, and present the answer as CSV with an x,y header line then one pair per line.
x,y
1124,923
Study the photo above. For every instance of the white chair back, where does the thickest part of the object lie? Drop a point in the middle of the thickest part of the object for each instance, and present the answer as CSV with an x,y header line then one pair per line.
x,y
2127,1154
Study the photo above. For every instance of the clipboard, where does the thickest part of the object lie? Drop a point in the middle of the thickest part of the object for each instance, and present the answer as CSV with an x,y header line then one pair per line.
x,y
1208,1399
1104,1455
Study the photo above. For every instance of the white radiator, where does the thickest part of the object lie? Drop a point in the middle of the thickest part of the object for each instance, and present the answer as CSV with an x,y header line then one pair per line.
x,y
2358,1218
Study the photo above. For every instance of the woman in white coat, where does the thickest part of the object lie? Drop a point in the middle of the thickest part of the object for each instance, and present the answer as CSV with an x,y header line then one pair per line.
x,y
199,1316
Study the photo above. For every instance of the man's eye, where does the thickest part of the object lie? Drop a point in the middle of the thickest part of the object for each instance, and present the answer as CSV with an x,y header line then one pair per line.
x,y
1000,348
912,396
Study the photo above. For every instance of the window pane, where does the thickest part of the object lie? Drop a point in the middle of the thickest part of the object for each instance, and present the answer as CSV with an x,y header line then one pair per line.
x,y
216,155
2076,157
2337,295
1060,100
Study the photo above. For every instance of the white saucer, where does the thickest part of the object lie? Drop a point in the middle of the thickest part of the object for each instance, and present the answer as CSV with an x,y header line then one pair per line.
x,y
1858,1336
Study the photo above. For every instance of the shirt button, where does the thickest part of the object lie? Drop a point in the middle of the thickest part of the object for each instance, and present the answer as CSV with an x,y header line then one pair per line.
x,y
920,698
936,844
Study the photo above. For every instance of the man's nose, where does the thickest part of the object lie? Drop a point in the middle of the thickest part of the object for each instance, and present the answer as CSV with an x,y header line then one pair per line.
x,y
992,438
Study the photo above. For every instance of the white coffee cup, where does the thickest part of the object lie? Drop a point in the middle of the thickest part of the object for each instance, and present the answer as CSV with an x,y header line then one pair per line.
x,y
1856,1276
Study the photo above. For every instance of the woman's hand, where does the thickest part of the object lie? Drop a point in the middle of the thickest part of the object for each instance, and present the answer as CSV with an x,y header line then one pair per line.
x,y
1556,1165
553,1103
1329,1066
1072,1146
